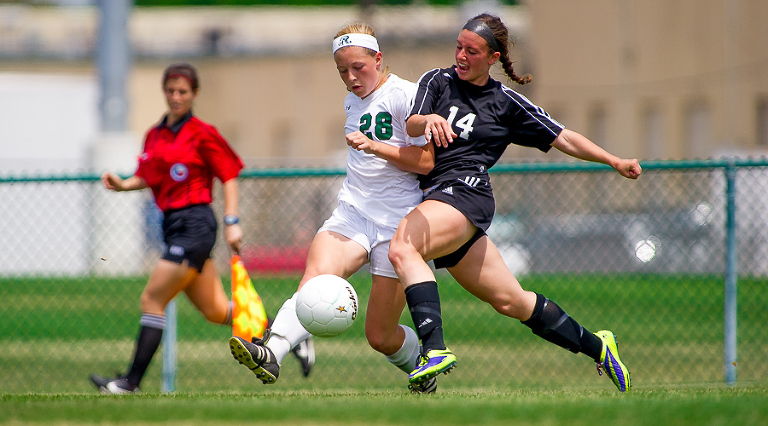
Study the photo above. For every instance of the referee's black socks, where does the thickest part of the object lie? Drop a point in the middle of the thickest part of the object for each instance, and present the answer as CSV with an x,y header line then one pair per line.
x,y
150,334
552,324
424,303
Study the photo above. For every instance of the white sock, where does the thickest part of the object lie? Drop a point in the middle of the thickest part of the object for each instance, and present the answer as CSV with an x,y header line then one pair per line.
x,y
407,357
286,331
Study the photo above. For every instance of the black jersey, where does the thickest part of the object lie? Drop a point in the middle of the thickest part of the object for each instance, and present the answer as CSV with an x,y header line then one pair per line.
x,y
485,118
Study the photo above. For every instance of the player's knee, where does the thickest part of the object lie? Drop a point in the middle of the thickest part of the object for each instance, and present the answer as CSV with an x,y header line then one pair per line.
x,y
509,305
381,341
398,254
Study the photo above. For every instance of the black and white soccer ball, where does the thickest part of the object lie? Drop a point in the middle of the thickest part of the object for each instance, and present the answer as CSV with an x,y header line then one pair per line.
x,y
327,305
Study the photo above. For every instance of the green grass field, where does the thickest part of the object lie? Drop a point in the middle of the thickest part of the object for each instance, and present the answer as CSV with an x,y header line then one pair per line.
x,y
55,331
679,406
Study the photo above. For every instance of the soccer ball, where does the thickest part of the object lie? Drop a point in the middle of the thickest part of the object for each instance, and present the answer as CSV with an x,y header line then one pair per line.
x,y
326,305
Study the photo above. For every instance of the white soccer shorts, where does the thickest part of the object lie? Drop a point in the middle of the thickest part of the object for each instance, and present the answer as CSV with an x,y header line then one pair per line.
x,y
347,221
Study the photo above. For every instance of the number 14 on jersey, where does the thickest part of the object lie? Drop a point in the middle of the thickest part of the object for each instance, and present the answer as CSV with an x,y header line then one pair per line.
x,y
464,123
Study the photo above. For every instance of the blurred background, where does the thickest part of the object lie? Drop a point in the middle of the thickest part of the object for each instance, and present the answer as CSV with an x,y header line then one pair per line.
x,y
681,85
650,79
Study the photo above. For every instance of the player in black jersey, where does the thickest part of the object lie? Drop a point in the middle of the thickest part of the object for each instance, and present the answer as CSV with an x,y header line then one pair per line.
x,y
471,118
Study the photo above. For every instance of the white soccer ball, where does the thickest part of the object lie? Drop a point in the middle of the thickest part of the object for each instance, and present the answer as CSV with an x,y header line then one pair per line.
x,y
326,305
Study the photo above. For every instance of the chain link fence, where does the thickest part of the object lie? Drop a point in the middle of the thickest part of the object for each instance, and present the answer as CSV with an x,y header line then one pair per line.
x,y
675,264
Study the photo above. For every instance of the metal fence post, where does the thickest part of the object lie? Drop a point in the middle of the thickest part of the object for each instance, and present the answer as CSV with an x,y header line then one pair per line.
x,y
730,274
169,348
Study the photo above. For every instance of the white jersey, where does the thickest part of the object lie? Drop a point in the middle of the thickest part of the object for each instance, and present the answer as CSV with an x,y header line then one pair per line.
x,y
375,187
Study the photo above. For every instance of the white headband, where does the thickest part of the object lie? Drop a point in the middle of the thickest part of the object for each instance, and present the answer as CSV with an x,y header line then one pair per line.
x,y
356,39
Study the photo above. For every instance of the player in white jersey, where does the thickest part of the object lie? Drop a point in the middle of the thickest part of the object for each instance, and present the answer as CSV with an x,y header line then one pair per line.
x,y
381,187
378,188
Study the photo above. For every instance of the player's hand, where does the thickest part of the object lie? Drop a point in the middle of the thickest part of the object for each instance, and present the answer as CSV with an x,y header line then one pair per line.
x,y
438,131
360,142
630,169
112,181
234,236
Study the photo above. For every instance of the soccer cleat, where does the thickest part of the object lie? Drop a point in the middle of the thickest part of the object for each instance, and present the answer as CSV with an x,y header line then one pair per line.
x,y
257,357
429,386
116,386
305,353
433,363
610,362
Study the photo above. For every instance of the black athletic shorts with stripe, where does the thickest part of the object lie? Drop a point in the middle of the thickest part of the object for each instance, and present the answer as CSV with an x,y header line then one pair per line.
x,y
189,234
472,195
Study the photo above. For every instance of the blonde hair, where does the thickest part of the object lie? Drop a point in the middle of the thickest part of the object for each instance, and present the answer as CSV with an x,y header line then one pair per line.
x,y
360,28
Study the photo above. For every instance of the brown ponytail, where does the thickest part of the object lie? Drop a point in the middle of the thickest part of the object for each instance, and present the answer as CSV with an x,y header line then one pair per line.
x,y
501,34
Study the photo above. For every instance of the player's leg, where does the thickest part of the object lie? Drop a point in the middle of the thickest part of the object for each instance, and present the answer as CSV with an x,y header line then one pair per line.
x,y
329,253
483,273
166,281
397,342
382,329
433,229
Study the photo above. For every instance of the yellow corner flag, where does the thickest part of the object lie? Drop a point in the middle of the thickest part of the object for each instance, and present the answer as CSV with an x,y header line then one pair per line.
x,y
249,318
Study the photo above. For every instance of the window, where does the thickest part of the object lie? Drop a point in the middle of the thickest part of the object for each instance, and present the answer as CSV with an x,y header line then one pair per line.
x,y
598,126
653,133
762,122
698,131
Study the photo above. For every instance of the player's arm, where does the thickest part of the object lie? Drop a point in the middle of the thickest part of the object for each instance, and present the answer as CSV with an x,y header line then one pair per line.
x,y
415,159
430,125
578,146
232,232
115,183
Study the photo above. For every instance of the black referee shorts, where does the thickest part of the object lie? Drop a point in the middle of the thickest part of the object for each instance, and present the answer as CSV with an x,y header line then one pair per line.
x,y
189,234
473,197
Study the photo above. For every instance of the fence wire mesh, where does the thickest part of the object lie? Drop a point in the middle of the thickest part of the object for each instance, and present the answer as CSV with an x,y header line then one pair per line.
x,y
646,259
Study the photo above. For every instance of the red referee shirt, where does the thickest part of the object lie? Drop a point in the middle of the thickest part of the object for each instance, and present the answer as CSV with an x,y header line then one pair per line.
x,y
180,162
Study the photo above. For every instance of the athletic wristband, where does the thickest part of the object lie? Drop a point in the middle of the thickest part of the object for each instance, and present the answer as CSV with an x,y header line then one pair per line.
x,y
231,219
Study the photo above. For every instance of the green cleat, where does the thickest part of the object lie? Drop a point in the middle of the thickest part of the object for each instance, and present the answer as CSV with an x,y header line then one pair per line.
x,y
428,386
610,362
433,363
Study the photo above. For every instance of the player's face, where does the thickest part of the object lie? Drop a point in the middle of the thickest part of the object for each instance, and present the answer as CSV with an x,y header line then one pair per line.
x,y
360,71
179,96
473,58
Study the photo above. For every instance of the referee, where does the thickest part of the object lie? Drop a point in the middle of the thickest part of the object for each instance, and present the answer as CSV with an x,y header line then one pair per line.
x,y
181,157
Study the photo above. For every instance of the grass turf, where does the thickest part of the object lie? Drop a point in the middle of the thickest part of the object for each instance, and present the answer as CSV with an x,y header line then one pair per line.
x,y
55,331
678,405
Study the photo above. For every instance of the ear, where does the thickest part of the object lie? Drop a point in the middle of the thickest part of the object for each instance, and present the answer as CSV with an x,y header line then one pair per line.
x,y
493,58
378,60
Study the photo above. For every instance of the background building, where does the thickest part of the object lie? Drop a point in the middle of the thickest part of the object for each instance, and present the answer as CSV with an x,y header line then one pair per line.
x,y
646,78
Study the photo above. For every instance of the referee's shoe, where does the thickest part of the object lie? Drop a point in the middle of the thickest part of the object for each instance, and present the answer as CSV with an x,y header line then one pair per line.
x,y
117,386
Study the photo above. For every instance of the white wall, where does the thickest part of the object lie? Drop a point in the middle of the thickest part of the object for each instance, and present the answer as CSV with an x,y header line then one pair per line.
x,y
47,122
49,126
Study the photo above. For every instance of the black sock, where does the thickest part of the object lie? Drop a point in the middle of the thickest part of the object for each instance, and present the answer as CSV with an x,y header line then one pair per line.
x,y
424,303
552,324
150,335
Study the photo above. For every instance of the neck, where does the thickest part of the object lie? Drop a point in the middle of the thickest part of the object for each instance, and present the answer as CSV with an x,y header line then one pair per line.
x,y
481,81
173,119
382,79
